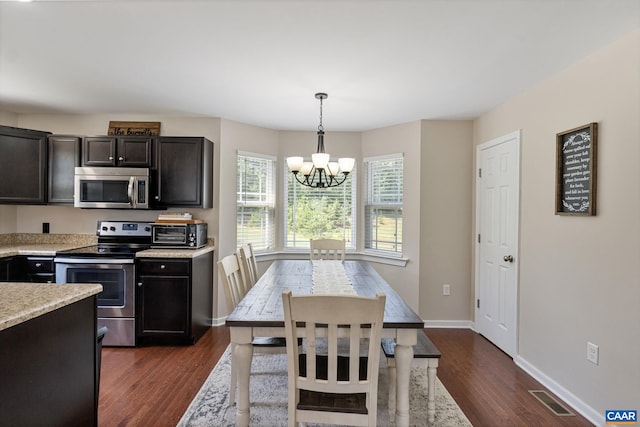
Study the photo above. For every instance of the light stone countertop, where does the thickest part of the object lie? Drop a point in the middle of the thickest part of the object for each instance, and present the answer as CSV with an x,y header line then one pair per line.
x,y
36,244
20,302
47,249
175,253
49,245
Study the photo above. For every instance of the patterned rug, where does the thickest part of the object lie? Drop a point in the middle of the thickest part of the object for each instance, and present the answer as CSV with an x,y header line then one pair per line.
x,y
211,407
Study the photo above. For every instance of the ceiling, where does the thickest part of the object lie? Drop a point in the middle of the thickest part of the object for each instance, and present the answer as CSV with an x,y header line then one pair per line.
x,y
261,62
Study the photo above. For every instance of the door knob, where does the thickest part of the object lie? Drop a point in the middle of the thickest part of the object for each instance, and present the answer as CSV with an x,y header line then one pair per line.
x,y
508,258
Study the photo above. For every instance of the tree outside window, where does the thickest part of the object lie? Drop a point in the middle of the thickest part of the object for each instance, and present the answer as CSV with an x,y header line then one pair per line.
x,y
313,213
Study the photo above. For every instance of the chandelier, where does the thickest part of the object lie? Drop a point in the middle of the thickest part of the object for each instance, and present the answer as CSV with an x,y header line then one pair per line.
x,y
320,172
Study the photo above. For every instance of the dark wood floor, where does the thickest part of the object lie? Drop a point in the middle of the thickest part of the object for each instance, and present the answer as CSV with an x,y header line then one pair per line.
x,y
154,385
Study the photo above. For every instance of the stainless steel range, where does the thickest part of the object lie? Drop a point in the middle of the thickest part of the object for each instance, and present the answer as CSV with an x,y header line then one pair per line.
x,y
112,264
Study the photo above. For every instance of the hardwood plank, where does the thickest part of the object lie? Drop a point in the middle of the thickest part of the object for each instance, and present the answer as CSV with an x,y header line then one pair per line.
x,y
488,386
155,385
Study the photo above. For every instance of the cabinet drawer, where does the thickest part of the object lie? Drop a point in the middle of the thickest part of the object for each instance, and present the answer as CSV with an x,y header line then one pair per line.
x,y
42,278
40,265
168,267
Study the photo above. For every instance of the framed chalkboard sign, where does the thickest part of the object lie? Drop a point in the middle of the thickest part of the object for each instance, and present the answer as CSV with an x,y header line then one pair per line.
x,y
576,170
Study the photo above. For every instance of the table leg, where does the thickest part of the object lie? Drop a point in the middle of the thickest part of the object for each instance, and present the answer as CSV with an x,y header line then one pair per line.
x,y
404,356
431,393
242,356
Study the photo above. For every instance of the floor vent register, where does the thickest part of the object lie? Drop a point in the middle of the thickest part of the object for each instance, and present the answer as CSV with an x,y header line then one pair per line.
x,y
554,406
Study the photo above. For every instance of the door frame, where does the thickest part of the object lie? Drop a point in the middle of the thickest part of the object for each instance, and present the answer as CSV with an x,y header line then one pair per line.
x,y
517,136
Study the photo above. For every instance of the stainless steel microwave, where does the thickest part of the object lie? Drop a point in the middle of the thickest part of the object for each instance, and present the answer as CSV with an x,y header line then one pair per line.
x,y
111,188
188,236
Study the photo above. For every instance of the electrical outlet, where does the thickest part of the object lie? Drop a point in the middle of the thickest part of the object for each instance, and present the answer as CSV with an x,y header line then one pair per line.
x,y
446,289
592,353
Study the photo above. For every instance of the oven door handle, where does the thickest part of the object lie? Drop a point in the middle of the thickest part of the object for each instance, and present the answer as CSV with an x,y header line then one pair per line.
x,y
93,261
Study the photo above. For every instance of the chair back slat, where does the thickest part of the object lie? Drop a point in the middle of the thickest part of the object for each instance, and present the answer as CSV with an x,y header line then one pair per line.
x,y
234,288
331,249
248,264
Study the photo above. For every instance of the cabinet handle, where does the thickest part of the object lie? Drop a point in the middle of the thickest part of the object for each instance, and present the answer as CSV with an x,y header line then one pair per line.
x,y
139,283
38,264
162,267
110,157
121,158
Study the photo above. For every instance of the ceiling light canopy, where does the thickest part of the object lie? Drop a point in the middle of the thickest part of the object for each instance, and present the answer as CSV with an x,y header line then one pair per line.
x,y
320,172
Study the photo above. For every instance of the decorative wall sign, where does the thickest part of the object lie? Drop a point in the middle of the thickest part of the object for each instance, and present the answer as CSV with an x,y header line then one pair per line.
x,y
576,170
134,128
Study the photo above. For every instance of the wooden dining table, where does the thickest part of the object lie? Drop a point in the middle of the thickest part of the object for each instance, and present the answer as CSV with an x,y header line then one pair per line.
x,y
260,314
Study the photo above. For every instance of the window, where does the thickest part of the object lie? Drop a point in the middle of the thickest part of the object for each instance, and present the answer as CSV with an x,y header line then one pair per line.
x,y
314,213
255,206
383,204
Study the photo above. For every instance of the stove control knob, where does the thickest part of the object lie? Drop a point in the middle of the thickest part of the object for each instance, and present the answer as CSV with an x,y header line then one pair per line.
x,y
147,229
104,228
112,228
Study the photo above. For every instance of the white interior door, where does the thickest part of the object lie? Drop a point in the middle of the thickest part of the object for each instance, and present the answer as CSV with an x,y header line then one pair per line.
x,y
497,222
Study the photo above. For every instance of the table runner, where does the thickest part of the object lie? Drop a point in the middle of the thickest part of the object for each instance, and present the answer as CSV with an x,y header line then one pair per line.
x,y
329,277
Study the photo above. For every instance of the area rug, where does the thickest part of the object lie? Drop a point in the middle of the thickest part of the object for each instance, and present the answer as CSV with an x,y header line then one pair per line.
x,y
268,396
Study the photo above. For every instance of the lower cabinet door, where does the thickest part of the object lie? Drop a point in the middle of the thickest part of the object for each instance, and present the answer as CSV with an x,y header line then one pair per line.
x,y
163,306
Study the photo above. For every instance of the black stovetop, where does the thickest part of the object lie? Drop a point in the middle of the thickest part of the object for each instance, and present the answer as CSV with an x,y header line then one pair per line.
x,y
125,251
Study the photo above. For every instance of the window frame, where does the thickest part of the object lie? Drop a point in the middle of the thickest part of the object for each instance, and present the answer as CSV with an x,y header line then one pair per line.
x,y
269,204
350,239
368,204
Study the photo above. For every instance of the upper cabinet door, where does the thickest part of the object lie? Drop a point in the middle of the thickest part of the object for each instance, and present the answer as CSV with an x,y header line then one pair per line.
x,y
99,151
135,151
23,166
125,151
64,156
185,172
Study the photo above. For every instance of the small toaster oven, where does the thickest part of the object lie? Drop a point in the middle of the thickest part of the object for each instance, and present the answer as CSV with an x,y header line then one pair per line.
x,y
178,236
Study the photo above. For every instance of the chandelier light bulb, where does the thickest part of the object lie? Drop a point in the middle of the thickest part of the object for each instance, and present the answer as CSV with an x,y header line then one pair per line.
x,y
295,163
333,168
320,160
346,164
306,168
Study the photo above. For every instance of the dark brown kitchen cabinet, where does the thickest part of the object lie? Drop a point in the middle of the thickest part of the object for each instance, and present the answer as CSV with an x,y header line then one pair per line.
x,y
4,269
174,298
34,269
23,166
125,151
185,172
48,368
64,156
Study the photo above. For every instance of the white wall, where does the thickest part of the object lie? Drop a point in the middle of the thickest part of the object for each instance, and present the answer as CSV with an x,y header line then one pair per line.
x,y
403,138
580,276
445,221
236,137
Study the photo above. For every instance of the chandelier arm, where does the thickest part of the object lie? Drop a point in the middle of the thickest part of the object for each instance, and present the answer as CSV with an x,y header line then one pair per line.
x,y
303,182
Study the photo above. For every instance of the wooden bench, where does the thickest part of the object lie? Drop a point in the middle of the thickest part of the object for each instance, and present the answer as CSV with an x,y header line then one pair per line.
x,y
424,353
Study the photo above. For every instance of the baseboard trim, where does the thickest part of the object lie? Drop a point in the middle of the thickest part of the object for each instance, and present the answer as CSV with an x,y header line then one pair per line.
x,y
454,324
219,321
572,400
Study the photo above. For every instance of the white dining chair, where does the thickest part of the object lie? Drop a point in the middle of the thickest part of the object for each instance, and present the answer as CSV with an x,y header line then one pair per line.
x,y
248,264
331,249
324,385
234,291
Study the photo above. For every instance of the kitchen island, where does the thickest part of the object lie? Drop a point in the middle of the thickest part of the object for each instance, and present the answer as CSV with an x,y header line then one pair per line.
x,y
48,354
